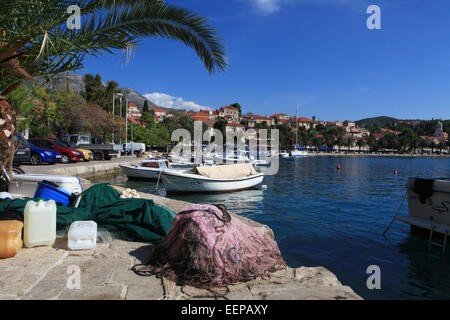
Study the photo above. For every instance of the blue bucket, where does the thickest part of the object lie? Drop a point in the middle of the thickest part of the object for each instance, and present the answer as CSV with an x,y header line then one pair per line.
x,y
49,192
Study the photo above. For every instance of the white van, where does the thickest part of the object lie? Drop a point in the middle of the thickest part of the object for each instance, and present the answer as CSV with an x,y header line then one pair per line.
x,y
133,147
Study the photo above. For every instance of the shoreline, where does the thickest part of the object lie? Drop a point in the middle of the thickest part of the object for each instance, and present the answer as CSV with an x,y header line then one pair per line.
x,y
377,155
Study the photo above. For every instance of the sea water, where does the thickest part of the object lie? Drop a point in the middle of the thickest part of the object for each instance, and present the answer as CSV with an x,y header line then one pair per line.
x,y
322,216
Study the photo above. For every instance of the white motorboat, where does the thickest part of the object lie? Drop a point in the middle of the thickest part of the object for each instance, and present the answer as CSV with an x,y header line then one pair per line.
x,y
229,158
223,178
150,169
428,204
298,153
241,157
284,154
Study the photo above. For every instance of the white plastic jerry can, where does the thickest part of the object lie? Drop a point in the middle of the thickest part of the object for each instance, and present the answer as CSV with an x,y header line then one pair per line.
x,y
39,223
82,235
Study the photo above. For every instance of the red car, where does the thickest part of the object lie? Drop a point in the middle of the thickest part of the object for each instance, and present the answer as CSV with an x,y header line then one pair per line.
x,y
68,154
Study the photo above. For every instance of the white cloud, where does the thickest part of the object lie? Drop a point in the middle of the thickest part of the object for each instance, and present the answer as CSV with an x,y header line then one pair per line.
x,y
271,6
167,101
267,6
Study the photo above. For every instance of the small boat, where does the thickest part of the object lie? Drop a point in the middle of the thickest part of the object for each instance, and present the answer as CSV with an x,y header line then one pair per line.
x,y
241,157
234,157
150,169
206,179
428,204
298,153
284,154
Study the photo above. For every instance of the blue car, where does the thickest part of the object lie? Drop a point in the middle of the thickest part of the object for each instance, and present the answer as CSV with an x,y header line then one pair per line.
x,y
40,155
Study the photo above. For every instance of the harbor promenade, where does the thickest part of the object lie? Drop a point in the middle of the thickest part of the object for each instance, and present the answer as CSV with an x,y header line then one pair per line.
x,y
83,169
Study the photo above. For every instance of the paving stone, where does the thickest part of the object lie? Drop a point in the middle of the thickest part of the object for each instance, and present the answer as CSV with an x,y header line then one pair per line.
x,y
149,291
108,292
46,289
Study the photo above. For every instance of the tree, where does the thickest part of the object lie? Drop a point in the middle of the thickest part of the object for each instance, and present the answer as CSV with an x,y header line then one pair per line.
x,y
221,124
35,40
371,142
238,106
22,103
361,143
145,109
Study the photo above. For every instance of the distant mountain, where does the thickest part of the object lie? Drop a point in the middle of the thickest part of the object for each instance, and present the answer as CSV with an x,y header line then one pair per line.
x,y
375,121
76,83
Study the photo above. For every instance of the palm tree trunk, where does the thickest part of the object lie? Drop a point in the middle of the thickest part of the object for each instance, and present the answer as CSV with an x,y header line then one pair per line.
x,y
8,125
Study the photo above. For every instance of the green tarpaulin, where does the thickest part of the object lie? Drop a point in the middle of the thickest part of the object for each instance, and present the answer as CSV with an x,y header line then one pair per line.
x,y
131,219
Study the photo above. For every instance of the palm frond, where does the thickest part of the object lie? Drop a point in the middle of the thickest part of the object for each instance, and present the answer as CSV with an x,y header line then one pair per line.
x,y
36,33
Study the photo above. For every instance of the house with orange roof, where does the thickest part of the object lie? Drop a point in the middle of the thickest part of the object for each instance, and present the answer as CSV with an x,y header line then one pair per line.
x,y
253,119
234,127
385,131
133,111
229,113
159,114
212,115
281,116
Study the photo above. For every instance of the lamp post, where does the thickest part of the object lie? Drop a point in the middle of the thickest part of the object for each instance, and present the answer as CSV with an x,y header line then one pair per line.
x,y
126,124
113,111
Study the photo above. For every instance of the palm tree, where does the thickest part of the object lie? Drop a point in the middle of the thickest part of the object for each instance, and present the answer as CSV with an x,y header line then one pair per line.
x,y
35,40
371,141
361,143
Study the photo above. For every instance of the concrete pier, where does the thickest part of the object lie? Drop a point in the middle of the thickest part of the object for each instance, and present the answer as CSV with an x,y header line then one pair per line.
x,y
105,271
83,169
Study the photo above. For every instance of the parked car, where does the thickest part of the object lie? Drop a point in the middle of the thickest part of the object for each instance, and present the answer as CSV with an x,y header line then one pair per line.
x,y
88,155
22,154
41,155
99,149
67,154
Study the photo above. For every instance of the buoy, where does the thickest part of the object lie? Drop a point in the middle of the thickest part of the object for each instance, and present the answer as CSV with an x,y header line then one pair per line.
x,y
338,167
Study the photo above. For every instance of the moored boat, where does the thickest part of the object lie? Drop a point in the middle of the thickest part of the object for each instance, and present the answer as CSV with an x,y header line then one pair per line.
x,y
223,178
429,205
150,169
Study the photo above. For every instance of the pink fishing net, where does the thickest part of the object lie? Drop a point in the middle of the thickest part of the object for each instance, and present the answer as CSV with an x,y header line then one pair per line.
x,y
205,248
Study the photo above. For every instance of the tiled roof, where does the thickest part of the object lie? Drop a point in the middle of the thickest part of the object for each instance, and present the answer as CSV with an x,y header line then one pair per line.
x,y
158,110
200,118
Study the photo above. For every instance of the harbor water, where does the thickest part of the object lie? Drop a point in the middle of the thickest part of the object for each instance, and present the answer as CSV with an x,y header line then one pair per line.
x,y
322,216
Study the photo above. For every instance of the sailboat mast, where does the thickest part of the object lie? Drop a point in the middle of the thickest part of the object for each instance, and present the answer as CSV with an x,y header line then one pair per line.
x,y
296,128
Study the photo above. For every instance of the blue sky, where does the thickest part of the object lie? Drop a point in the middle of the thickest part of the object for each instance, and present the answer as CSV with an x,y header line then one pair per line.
x,y
317,53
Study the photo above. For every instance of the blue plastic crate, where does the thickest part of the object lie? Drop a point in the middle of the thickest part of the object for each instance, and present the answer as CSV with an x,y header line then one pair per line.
x,y
49,192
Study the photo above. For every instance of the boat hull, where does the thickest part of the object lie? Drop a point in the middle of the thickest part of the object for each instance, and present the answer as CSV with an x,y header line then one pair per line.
x,y
299,153
436,207
141,173
176,183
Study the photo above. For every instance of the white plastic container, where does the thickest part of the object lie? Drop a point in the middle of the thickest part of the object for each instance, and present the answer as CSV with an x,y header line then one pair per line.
x,y
82,235
39,223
